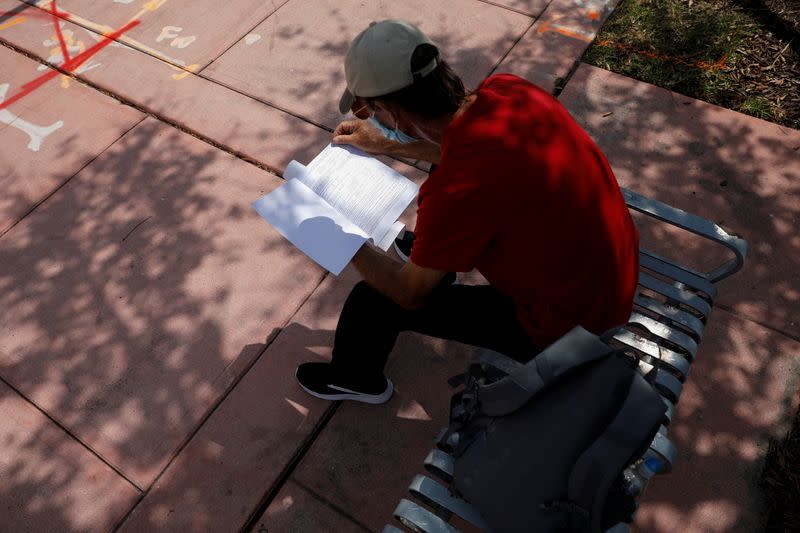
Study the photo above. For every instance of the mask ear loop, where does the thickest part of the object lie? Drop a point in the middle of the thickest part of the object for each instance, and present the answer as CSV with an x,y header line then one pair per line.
x,y
396,121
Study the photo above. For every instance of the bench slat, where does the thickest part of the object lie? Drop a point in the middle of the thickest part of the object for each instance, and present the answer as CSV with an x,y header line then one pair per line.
x,y
420,519
670,408
677,362
675,294
667,333
667,268
664,450
671,314
435,495
668,385
440,464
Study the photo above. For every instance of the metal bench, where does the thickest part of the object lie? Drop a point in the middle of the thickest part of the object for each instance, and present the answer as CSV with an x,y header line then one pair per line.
x,y
672,306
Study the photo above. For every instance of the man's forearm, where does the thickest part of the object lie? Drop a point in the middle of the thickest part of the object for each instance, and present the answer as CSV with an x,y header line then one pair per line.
x,y
420,150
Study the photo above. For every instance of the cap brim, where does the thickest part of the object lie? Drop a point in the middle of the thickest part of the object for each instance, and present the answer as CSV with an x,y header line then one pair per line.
x,y
346,101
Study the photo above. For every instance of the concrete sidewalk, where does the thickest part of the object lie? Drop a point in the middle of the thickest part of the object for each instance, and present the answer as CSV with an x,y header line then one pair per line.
x,y
151,321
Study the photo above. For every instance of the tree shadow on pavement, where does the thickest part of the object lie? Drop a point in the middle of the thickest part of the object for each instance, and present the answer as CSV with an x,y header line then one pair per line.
x,y
738,172
126,299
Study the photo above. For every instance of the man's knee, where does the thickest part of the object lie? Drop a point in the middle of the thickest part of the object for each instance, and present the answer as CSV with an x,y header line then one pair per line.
x,y
364,293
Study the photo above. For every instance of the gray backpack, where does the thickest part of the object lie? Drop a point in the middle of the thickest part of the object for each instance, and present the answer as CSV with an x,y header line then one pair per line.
x,y
541,446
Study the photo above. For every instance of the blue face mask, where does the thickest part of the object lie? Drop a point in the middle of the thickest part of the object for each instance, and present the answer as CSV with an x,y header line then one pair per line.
x,y
396,135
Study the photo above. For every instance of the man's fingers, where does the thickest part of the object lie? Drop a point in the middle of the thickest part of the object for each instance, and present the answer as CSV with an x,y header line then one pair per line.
x,y
342,139
345,128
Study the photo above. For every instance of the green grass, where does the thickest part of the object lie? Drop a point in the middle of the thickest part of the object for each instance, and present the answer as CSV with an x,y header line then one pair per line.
x,y
673,44
758,107
780,481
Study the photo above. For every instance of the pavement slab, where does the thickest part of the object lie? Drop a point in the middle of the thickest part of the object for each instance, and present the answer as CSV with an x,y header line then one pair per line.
x,y
735,170
50,134
548,50
741,391
188,33
50,481
136,295
297,65
232,120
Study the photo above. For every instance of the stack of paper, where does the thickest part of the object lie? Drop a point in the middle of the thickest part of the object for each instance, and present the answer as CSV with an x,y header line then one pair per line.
x,y
342,199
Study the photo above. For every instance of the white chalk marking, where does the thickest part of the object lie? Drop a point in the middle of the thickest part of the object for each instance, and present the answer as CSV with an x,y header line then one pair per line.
x,y
251,38
36,133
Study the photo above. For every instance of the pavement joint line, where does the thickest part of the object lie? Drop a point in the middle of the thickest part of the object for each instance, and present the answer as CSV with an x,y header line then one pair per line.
x,y
289,468
774,329
14,12
514,9
260,22
3,233
503,57
213,408
72,435
324,501
558,89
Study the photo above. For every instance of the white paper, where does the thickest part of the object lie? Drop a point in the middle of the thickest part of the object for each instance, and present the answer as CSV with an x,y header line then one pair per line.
x,y
370,194
390,236
312,225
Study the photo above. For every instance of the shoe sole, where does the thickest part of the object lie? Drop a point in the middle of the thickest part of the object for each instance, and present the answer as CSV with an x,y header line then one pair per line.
x,y
363,398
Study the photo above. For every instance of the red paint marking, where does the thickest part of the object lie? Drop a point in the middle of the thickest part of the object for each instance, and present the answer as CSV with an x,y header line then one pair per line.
x,y
719,65
54,10
69,66
56,13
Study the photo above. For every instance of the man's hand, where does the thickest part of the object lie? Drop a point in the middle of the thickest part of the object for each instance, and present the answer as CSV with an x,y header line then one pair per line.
x,y
363,135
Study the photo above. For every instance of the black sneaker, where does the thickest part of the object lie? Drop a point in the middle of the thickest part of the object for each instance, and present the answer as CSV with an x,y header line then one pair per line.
x,y
319,379
403,245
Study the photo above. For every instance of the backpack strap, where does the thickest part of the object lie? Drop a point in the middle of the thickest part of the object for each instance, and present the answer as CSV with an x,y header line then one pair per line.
x,y
600,464
501,362
574,349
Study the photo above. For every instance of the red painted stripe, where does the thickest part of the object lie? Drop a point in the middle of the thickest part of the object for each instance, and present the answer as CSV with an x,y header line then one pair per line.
x,y
69,66
56,22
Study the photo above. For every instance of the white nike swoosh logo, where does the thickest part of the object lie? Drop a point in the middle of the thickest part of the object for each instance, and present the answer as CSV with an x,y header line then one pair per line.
x,y
342,389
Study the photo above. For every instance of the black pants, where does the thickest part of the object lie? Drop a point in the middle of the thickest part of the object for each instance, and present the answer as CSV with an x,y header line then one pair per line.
x,y
478,315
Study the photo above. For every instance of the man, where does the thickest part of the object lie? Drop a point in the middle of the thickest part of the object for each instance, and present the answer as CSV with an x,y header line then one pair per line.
x,y
520,193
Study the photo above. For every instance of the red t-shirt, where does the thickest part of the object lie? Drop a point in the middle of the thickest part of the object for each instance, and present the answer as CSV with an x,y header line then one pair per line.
x,y
523,195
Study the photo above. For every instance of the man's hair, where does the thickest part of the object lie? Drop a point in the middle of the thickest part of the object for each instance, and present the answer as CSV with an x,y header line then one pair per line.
x,y
432,96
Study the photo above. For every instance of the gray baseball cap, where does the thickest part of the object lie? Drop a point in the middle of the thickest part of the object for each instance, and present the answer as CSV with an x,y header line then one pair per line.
x,y
378,61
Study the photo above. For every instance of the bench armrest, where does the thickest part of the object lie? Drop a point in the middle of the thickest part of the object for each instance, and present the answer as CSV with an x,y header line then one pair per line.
x,y
693,224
